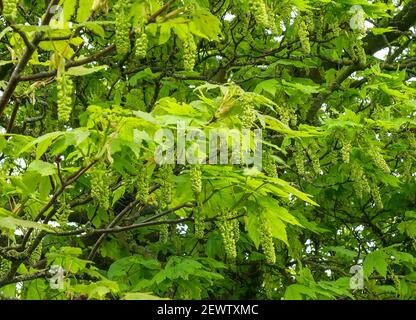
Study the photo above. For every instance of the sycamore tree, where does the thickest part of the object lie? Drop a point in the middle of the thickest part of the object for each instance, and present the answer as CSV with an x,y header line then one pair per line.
x,y
87,211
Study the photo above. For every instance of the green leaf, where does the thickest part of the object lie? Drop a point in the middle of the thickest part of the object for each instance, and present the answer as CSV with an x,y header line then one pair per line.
x,y
95,27
298,291
378,31
12,223
4,31
303,5
41,167
341,251
375,260
205,25
276,226
141,296
43,143
270,86
2,63
82,71
302,87
84,10
69,9
165,32
273,208
118,194
253,228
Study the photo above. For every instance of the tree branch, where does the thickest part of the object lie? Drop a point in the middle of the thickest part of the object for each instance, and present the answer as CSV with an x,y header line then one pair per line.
x,y
26,277
14,78
401,23
108,50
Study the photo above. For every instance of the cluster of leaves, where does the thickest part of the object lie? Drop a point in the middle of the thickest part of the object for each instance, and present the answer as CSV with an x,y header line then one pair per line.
x,y
83,92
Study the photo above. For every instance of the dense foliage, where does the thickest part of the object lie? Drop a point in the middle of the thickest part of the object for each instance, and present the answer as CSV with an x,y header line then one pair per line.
x,y
86,84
